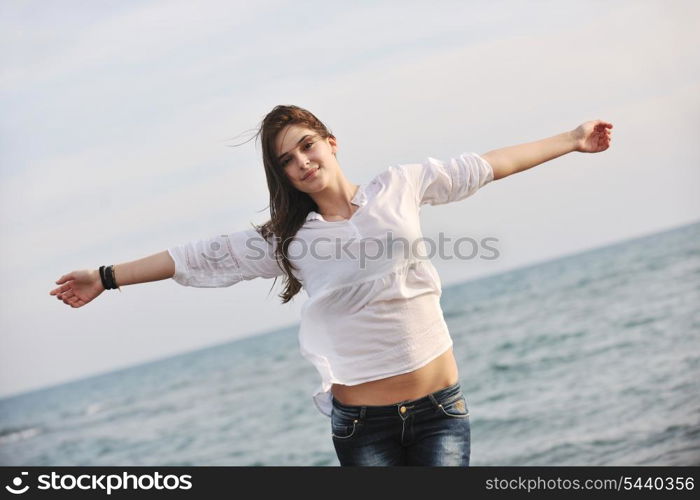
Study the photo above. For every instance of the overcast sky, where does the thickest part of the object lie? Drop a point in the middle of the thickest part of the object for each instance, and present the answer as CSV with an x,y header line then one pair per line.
x,y
116,121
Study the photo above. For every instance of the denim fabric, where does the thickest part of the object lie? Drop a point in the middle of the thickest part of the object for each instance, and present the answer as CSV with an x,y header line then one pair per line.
x,y
431,431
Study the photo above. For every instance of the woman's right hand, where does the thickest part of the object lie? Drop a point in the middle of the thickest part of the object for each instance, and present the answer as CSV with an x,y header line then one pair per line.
x,y
79,287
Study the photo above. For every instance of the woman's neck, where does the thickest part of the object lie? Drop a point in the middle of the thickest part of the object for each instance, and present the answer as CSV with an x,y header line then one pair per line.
x,y
334,201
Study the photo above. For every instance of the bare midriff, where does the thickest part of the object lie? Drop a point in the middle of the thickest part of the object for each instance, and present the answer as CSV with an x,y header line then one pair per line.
x,y
438,374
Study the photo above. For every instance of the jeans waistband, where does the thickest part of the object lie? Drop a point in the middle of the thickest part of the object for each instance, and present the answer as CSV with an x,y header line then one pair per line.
x,y
432,400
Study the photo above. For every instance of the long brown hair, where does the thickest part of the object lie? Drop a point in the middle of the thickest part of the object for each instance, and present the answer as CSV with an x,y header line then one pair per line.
x,y
289,207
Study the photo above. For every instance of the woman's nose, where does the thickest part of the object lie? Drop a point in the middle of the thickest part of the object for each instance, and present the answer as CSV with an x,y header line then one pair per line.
x,y
302,160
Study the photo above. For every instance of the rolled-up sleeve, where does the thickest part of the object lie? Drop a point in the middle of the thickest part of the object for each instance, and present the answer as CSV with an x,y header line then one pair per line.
x,y
224,260
437,182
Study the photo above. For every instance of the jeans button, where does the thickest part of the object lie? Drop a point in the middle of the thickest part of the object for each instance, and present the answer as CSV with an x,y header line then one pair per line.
x,y
402,410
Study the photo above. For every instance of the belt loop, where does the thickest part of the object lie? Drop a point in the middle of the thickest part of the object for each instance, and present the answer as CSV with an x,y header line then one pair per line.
x,y
363,411
433,400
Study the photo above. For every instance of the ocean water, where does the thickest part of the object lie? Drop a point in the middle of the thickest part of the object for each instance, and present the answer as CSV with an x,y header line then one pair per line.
x,y
591,359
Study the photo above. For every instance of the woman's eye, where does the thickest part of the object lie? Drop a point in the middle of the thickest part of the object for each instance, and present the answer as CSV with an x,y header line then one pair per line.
x,y
306,146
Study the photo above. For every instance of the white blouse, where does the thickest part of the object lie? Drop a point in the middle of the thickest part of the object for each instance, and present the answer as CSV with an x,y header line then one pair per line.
x,y
374,297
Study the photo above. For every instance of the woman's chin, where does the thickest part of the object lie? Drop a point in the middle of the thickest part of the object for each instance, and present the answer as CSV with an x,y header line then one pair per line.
x,y
315,188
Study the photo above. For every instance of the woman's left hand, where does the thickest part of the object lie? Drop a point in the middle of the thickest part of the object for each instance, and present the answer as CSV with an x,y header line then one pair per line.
x,y
593,136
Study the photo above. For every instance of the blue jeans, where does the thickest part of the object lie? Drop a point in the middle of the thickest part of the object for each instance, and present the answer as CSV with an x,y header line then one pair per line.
x,y
431,431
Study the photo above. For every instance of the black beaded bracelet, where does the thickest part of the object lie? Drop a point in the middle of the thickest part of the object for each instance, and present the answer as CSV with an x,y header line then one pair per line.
x,y
108,277
113,279
103,279
109,282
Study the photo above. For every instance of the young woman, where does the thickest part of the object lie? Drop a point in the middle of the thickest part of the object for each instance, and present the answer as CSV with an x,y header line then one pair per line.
x,y
372,325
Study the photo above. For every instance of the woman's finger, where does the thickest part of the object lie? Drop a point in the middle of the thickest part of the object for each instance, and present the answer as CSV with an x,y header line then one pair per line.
x,y
64,278
61,289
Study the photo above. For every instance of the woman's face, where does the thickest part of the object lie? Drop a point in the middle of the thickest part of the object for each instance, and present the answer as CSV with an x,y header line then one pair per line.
x,y
307,158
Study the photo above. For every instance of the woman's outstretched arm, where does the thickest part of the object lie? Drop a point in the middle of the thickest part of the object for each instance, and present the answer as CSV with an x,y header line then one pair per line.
x,y
590,137
81,287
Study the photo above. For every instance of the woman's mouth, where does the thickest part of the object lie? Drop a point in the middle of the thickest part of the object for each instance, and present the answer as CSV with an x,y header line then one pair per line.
x,y
310,174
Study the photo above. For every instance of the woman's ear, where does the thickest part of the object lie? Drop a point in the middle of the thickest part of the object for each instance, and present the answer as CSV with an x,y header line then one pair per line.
x,y
333,142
